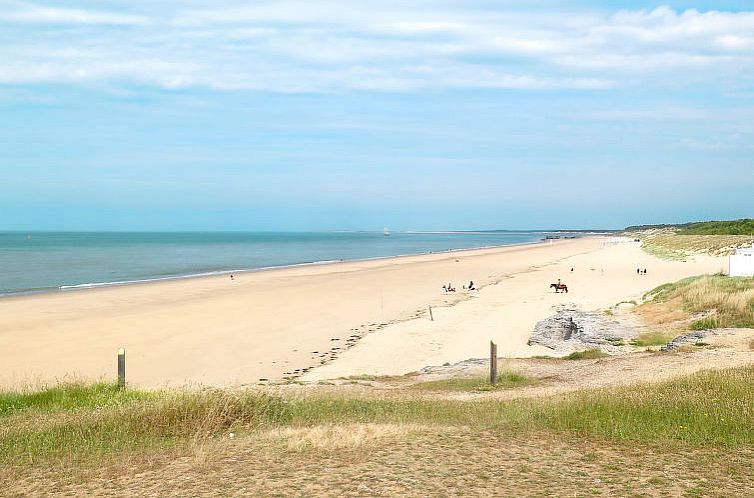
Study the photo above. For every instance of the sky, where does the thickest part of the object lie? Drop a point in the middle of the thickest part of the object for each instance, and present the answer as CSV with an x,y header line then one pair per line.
x,y
421,115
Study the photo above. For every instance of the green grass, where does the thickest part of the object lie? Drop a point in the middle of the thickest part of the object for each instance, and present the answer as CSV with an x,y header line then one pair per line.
x,y
713,407
743,226
662,251
729,300
652,339
505,380
709,408
667,244
68,396
587,354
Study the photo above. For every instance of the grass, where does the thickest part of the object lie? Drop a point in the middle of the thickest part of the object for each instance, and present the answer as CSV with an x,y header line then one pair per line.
x,y
648,339
587,354
743,226
671,245
711,408
662,251
67,397
505,380
727,301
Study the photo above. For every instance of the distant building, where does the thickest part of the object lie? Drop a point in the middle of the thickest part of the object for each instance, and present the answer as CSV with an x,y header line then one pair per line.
x,y
742,263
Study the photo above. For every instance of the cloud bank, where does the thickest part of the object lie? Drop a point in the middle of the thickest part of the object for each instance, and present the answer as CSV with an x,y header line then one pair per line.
x,y
329,45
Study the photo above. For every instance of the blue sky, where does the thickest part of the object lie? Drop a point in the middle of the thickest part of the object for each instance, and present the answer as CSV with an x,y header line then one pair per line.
x,y
414,115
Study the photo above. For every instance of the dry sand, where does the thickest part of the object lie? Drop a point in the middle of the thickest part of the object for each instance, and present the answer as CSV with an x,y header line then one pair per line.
x,y
265,325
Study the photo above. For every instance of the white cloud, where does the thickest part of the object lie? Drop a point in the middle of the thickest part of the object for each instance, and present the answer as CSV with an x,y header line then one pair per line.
x,y
329,46
29,13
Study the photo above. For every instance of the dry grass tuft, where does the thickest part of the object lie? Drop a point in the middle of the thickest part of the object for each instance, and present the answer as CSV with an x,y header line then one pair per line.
x,y
655,338
342,436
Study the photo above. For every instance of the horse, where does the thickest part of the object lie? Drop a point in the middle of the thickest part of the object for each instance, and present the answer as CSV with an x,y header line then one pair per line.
x,y
559,287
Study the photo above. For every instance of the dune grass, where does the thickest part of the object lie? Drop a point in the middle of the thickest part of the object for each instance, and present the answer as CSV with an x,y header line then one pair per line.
x,y
710,408
744,226
587,354
69,396
677,246
662,250
728,301
655,338
505,380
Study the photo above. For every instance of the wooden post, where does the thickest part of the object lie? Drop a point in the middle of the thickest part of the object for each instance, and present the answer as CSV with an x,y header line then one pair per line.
x,y
121,368
430,314
493,363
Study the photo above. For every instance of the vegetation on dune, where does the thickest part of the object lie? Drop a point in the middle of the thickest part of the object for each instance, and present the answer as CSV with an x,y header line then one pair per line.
x,y
710,408
652,339
67,397
505,380
671,246
725,301
663,250
743,226
677,242
587,354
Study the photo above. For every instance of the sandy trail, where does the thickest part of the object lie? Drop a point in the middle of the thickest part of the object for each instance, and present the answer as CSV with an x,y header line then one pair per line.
x,y
266,325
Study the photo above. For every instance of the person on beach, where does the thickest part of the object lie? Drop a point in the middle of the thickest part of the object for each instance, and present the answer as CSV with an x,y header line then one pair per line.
x,y
471,285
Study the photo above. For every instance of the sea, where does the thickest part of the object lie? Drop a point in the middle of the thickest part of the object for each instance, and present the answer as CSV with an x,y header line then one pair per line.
x,y
63,261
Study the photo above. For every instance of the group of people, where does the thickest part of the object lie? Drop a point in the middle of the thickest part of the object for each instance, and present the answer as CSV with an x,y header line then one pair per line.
x,y
639,271
450,288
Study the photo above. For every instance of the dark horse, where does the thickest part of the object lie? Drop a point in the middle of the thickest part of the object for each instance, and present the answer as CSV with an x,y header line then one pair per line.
x,y
559,287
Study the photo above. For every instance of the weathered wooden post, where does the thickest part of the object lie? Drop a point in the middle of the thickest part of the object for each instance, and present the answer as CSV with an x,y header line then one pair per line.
x,y
493,363
430,314
121,368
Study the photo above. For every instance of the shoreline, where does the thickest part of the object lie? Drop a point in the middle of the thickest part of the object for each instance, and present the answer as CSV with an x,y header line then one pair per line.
x,y
217,273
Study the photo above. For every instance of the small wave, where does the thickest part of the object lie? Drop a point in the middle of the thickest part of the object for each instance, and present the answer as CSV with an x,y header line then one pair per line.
x,y
94,285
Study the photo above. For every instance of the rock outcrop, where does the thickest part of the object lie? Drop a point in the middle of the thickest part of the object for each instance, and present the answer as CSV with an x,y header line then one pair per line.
x,y
695,337
573,330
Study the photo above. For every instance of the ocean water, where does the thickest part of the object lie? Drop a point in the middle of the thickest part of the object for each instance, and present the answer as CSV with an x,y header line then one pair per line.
x,y
65,260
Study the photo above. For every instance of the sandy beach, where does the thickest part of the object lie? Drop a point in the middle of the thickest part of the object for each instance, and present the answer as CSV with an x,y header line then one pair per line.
x,y
366,317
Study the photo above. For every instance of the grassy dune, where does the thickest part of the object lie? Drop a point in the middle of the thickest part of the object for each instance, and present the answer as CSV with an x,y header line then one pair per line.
x,y
713,408
743,226
693,434
667,244
725,301
718,238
